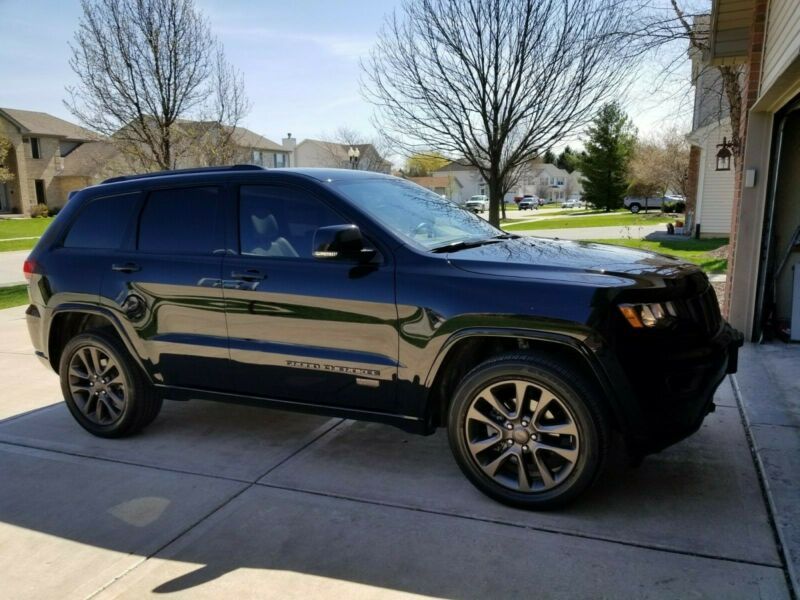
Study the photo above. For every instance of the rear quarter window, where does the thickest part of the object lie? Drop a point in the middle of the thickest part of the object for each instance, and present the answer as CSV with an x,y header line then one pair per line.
x,y
102,223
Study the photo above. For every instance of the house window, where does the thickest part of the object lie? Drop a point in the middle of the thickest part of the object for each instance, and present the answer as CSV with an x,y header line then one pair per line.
x,y
39,184
257,157
280,160
35,150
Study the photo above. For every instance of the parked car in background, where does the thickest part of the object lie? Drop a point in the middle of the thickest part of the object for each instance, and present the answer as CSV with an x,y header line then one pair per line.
x,y
638,203
478,203
572,203
529,202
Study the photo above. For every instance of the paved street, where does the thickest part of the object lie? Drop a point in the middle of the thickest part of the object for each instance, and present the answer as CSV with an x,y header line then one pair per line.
x,y
239,502
636,232
11,267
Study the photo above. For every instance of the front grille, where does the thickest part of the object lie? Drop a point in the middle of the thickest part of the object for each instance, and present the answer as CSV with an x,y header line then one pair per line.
x,y
703,310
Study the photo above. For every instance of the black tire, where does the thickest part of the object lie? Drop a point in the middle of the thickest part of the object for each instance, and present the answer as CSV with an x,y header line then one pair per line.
x,y
583,409
140,404
635,207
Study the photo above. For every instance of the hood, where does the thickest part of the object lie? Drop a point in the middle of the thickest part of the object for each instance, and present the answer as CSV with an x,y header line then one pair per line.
x,y
577,262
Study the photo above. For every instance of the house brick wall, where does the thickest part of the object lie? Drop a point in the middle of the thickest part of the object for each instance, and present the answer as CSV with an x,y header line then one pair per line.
x,y
64,185
750,94
28,169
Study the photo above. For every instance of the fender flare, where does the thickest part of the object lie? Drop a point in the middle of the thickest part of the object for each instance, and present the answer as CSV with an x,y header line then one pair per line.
x,y
589,345
91,309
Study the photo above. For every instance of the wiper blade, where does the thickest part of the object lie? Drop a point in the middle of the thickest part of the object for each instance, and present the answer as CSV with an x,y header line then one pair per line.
x,y
464,244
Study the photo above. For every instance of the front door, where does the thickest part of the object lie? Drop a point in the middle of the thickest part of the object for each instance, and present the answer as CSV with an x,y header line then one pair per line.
x,y
166,287
304,329
4,204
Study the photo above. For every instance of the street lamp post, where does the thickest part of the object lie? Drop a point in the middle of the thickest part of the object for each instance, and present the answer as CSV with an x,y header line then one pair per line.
x,y
353,154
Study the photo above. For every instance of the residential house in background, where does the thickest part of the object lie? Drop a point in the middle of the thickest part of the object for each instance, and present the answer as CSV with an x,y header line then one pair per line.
x,y
547,181
469,180
763,36
204,143
51,157
710,188
41,148
544,180
444,185
254,149
319,153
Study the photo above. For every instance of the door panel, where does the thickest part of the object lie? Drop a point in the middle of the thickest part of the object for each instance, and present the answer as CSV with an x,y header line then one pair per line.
x,y
322,332
168,292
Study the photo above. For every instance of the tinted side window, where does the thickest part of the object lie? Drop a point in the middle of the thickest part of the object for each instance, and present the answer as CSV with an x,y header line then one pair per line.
x,y
102,223
181,221
280,222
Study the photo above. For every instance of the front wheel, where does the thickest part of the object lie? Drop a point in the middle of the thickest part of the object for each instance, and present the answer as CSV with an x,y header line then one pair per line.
x,y
528,431
635,208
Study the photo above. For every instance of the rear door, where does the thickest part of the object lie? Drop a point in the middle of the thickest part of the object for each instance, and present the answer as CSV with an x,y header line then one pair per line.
x,y
305,329
165,285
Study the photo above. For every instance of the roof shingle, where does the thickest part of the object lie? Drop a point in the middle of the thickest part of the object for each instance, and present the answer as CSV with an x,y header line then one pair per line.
x,y
44,124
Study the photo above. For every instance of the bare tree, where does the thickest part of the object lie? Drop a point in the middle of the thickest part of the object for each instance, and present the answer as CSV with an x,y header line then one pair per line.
x,y
373,150
660,163
496,82
147,67
669,28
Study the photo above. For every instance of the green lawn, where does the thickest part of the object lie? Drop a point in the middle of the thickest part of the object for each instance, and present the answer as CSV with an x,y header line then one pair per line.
x,y
13,296
621,219
706,253
17,228
575,212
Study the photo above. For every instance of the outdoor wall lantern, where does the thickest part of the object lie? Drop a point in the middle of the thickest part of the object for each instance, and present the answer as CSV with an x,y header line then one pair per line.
x,y
724,155
353,154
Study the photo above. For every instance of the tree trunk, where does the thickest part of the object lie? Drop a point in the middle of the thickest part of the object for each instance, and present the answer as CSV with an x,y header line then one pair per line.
x,y
495,198
166,153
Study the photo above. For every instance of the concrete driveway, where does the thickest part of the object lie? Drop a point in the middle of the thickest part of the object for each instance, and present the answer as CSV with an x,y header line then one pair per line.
x,y
237,502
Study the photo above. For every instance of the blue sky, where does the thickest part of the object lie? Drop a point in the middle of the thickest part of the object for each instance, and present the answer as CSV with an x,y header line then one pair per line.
x,y
300,60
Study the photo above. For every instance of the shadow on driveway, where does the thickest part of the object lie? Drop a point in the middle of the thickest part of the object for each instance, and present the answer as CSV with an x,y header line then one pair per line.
x,y
238,501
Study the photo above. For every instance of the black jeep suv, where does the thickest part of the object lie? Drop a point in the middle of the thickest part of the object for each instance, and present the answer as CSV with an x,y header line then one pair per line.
x,y
365,296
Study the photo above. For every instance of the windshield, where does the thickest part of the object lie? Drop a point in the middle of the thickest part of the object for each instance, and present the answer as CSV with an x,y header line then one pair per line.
x,y
415,214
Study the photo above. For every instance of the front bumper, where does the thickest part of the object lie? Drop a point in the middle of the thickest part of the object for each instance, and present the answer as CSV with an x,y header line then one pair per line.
x,y
675,392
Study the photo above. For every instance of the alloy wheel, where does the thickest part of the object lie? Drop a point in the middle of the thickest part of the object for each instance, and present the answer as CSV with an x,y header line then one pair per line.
x,y
522,435
97,384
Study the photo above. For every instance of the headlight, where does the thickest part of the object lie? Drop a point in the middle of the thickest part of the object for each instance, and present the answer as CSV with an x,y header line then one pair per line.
x,y
650,316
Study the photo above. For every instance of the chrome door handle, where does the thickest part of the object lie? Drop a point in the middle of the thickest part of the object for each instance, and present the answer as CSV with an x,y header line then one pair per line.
x,y
249,275
126,267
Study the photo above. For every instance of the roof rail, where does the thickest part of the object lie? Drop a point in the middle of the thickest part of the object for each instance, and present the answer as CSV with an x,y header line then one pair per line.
x,y
184,172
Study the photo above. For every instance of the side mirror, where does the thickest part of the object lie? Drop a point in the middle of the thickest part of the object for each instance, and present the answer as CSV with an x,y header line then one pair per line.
x,y
341,242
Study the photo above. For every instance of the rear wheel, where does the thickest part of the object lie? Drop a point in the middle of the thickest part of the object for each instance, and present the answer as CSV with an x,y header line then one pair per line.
x,y
104,388
635,208
527,431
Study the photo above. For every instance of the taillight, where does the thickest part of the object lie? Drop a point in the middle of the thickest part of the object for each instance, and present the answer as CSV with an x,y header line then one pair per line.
x,y
29,267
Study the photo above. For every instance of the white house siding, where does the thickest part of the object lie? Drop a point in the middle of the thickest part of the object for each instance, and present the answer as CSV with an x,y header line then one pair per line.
x,y
470,180
783,39
716,192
